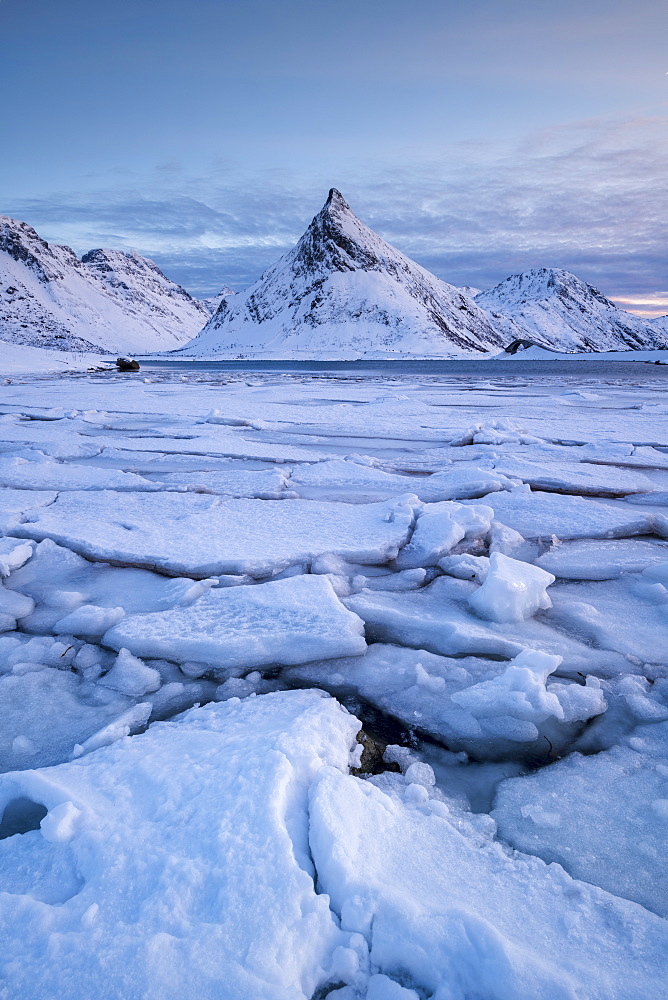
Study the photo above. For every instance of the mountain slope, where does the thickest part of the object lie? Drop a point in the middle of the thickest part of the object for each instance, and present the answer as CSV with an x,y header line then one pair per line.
x,y
343,292
554,308
109,300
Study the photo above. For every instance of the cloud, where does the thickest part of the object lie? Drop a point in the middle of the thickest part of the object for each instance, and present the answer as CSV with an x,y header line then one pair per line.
x,y
589,197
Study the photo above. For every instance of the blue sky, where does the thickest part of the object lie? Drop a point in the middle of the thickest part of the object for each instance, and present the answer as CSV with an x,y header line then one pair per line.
x,y
481,137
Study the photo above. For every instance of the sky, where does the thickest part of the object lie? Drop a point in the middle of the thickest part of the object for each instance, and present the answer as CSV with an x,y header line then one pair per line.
x,y
480,137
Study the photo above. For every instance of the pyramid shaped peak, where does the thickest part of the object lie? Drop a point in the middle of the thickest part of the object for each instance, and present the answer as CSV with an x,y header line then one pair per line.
x,y
335,200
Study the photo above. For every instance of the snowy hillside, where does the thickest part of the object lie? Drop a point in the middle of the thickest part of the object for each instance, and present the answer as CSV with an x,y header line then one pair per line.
x,y
556,309
110,299
343,292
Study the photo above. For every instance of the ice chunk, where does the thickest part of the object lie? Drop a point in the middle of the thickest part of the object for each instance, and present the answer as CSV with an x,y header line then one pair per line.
x,y
439,528
127,722
282,622
88,620
608,834
421,690
130,676
514,703
512,590
203,535
220,900
13,554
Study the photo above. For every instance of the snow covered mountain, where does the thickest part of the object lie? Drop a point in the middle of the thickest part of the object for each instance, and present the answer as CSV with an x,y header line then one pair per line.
x,y
110,300
554,308
344,292
661,323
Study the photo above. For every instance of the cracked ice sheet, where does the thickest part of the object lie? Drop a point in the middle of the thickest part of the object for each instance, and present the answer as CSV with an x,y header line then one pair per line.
x,y
629,616
602,560
416,687
448,910
46,711
438,619
200,535
603,817
219,900
283,622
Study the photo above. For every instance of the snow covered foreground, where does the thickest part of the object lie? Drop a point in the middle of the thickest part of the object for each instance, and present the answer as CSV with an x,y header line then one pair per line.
x,y
211,583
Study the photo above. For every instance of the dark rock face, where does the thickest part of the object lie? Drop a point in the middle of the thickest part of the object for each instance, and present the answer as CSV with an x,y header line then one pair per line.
x,y
343,287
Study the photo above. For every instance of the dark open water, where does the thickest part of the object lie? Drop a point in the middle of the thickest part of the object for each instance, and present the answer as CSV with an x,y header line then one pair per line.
x,y
626,371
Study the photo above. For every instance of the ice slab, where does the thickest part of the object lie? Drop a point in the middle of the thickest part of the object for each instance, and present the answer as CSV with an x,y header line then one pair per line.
x,y
629,616
23,474
441,526
511,590
201,535
265,484
220,900
602,559
438,619
340,477
61,582
541,515
286,621
455,914
46,712
15,503
522,713
582,477
596,816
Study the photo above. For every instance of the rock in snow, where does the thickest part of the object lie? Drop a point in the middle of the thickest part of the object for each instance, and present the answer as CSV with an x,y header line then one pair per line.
x,y
343,292
109,301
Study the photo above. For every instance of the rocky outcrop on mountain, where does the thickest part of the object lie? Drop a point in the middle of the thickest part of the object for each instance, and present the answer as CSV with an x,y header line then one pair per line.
x,y
344,292
110,300
554,309
212,302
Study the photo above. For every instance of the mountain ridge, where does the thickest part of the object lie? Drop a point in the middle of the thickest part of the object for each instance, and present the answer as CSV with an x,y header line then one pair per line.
x,y
109,300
